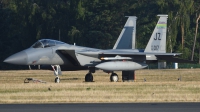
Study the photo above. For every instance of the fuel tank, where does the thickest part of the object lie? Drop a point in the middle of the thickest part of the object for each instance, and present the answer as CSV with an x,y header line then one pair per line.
x,y
121,66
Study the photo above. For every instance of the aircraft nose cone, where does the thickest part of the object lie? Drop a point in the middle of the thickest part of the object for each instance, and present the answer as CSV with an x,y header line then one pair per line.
x,y
18,58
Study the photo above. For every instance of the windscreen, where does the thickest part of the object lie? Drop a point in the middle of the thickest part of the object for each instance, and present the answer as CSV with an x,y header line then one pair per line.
x,y
38,44
46,43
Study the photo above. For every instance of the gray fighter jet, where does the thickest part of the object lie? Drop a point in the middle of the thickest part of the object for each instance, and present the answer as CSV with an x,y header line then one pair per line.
x,y
123,57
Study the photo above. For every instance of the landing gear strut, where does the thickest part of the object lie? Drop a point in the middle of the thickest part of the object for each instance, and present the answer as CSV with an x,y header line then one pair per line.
x,y
57,71
114,77
89,77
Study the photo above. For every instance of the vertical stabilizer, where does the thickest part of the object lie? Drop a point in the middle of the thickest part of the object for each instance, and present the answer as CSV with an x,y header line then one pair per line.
x,y
157,42
126,39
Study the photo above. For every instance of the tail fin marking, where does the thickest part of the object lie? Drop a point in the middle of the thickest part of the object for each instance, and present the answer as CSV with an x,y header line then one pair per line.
x,y
157,42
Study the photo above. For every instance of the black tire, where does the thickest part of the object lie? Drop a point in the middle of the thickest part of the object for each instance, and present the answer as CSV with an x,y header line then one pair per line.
x,y
114,77
89,77
57,80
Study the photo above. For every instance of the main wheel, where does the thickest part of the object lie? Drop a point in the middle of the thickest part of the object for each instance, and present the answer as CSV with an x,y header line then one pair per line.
x,y
114,77
57,80
89,77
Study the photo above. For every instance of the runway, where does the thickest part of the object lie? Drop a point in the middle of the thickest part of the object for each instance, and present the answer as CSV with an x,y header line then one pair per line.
x,y
102,107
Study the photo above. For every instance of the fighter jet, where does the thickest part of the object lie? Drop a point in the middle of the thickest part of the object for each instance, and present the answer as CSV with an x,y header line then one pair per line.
x,y
123,57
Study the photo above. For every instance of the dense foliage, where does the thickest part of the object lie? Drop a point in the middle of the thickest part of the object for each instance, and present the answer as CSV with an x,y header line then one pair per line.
x,y
96,23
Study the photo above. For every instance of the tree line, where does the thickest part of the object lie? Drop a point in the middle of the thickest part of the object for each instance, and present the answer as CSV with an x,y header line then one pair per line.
x,y
96,23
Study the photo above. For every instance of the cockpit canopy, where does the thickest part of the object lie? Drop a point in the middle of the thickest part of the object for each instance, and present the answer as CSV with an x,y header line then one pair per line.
x,y
46,43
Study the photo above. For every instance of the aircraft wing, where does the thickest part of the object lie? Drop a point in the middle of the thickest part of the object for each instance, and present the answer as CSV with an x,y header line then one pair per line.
x,y
103,54
170,57
139,53
174,59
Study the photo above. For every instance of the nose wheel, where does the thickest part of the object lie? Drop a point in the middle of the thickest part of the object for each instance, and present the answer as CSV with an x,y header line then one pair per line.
x,y
57,71
57,80
114,77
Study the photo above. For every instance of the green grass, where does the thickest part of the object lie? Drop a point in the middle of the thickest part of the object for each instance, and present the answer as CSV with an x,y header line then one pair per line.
x,y
160,86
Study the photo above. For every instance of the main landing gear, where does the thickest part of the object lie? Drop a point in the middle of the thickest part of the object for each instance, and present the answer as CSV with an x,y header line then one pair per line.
x,y
89,77
57,71
114,77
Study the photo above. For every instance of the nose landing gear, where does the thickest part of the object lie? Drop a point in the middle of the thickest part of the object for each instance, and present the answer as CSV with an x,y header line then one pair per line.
x,y
57,80
57,71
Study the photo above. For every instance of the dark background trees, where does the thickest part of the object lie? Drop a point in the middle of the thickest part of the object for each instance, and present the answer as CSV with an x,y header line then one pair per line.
x,y
96,23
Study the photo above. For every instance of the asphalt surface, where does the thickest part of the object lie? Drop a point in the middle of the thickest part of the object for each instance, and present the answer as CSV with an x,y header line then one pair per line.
x,y
102,107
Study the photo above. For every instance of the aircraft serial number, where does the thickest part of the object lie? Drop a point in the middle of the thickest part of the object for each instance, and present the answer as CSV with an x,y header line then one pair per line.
x,y
154,47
